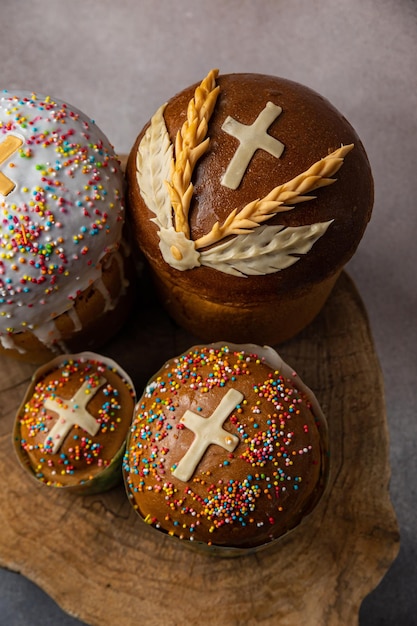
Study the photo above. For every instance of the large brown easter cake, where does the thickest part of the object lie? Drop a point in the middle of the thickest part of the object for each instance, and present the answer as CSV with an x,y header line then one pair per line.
x,y
247,194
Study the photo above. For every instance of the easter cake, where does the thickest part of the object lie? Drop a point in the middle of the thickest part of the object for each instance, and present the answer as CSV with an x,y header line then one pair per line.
x,y
71,427
228,449
65,266
247,195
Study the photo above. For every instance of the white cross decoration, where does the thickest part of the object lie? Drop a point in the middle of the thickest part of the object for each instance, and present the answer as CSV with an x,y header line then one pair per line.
x,y
72,412
251,138
208,430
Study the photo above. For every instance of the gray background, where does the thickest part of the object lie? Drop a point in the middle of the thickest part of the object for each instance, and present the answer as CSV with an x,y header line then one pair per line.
x,y
119,60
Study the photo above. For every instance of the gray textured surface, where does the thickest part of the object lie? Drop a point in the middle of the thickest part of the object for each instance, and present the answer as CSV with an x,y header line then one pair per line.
x,y
118,61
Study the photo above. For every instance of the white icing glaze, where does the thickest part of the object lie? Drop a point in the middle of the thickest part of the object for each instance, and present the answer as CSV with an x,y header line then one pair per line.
x,y
101,287
48,334
251,138
124,282
63,215
109,301
72,313
208,431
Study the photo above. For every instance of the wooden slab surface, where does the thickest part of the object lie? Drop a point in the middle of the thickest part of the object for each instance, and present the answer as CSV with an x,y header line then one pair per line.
x,y
98,561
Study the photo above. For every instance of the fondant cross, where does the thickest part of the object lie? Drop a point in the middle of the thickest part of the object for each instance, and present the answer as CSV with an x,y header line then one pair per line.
x,y
7,148
208,430
251,138
72,412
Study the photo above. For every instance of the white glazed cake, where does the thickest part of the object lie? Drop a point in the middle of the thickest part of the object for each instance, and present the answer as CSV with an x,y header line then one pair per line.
x,y
62,214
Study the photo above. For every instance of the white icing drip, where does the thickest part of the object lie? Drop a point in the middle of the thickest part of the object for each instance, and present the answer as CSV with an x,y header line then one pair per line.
x,y
8,344
109,303
49,335
125,248
123,280
62,347
75,319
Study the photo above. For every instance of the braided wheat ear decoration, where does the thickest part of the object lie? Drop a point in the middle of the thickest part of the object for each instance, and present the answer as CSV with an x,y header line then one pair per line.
x,y
258,211
190,144
251,247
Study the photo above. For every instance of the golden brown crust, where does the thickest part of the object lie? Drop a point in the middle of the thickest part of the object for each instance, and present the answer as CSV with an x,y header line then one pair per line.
x,y
271,322
245,498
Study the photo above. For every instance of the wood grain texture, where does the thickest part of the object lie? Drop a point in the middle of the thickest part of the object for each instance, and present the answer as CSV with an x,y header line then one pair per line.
x,y
100,563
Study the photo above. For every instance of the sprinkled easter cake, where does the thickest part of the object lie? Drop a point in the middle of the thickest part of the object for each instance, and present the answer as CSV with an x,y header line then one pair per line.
x,y
63,276
247,194
71,427
228,448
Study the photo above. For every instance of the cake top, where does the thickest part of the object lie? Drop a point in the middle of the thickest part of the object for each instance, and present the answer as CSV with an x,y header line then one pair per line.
x,y
227,447
248,175
74,419
236,173
61,203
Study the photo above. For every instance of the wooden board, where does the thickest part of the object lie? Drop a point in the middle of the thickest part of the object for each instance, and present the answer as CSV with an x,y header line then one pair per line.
x,y
101,564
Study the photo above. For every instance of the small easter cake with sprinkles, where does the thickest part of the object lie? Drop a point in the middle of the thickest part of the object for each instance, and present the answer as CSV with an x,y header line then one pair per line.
x,y
228,449
70,430
64,265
